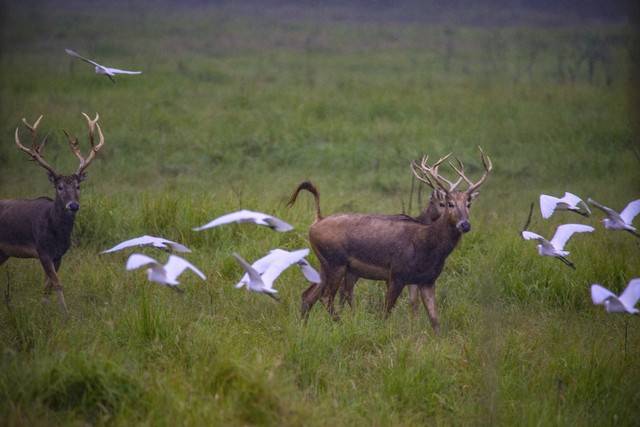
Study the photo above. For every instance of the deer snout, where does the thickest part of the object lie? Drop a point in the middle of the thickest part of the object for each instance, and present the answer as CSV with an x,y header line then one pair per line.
x,y
464,226
73,206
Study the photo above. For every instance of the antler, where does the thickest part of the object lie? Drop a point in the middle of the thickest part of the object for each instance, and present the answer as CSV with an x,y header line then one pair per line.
x,y
75,146
429,174
488,166
35,152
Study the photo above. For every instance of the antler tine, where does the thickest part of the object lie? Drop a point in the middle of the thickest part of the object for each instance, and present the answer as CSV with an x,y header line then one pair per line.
x,y
36,151
488,166
91,125
431,173
74,145
417,172
85,162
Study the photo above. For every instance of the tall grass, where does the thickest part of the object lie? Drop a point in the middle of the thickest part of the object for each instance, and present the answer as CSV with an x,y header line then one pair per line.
x,y
232,111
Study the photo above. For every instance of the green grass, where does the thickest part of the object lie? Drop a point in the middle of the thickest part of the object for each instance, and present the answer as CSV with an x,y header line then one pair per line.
x,y
232,111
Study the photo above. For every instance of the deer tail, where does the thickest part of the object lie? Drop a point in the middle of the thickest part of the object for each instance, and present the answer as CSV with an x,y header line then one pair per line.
x,y
307,185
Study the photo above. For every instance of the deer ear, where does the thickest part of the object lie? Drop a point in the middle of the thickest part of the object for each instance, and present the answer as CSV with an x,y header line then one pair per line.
x,y
52,177
474,195
81,177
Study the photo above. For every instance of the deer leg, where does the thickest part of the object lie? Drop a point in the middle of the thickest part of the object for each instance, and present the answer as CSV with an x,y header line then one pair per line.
x,y
53,283
335,279
393,292
413,299
428,294
346,291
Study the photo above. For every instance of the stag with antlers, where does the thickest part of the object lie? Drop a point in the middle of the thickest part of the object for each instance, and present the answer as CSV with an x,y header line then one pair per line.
x,y
41,228
395,248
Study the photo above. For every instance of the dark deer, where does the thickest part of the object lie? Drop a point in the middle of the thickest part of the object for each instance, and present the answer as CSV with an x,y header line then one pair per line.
x,y
41,228
396,248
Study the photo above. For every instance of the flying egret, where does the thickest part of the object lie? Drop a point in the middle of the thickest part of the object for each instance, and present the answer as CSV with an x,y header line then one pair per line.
x,y
554,248
248,216
101,69
617,304
156,242
568,202
164,274
279,260
622,220
275,255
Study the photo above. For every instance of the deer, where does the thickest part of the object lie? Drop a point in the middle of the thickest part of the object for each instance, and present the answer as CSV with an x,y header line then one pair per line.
x,y
41,228
430,213
398,249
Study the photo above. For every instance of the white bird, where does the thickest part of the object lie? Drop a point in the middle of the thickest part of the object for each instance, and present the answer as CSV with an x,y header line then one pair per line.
x,y
156,242
614,304
248,216
276,255
101,69
164,274
622,220
260,276
569,202
555,247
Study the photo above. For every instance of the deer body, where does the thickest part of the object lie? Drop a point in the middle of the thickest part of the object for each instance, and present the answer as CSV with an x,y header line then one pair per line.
x,y
33,227
41,228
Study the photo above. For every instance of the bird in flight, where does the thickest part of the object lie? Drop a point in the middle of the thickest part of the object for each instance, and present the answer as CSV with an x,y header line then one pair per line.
x,y
248,216
617,304
101,69
260,275
622,220
568,202
555,247
163,274
156,242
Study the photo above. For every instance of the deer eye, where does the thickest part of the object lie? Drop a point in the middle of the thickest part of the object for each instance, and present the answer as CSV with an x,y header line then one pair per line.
x,y
60,187
450,205
442,205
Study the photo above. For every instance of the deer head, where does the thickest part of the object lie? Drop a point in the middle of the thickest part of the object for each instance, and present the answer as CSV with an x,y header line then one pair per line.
x,y
449,201
67,186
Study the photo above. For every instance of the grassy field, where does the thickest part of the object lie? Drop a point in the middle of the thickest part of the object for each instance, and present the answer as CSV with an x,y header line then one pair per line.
x,y
233,110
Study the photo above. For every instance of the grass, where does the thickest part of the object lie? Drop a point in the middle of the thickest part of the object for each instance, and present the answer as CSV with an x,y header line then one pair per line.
x,y
232,111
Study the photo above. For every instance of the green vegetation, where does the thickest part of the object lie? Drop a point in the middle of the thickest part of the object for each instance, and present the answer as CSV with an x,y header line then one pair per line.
x,y
233,110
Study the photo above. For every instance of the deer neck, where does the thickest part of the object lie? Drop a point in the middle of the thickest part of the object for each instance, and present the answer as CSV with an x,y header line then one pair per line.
x,y
60,219
445,233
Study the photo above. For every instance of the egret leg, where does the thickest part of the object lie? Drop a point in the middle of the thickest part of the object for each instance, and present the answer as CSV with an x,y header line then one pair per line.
x,y
567,262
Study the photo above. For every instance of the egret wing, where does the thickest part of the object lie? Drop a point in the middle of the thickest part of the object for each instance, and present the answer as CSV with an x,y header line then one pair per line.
x,y
605,209
260,266
547,205
239,216
119,71
599,294
176,265
138,241
277,267
565,231
138,260
630,211
77,55
571,199
528,235
253,274
310,273
631,294
177,246
277,224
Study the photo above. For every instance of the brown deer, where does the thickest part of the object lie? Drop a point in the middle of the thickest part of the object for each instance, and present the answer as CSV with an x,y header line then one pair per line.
x,y
396,248
430,213
41,228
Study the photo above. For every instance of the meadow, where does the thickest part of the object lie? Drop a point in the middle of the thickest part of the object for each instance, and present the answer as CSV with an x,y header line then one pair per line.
x,y
234,109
